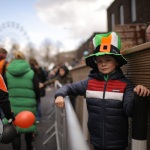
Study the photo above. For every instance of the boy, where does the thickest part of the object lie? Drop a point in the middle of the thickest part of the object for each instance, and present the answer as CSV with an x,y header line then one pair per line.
x,y
109,95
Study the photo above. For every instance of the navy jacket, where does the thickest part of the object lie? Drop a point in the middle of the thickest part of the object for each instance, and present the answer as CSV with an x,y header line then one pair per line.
x,y
109,103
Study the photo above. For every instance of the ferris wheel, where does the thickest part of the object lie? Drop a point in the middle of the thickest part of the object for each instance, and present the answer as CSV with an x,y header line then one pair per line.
x,y
13,36
13,33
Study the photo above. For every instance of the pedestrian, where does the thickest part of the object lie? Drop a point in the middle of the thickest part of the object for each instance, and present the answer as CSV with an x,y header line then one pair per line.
x,y
148,33
63,77
109,94
38,70
3,62
3,65
23,90
4,101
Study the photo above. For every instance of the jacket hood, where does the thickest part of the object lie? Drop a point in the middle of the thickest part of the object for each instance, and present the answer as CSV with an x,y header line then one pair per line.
x,y
18,67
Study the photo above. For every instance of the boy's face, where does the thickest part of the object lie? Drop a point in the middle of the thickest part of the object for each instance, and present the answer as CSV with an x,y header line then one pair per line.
x,y
106,64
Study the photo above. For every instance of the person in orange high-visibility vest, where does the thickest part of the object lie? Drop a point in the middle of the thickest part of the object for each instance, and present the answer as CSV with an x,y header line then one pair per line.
x,y
4,101
3,62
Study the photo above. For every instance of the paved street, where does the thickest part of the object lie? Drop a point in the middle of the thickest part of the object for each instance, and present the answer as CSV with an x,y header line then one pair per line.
x,y
46,123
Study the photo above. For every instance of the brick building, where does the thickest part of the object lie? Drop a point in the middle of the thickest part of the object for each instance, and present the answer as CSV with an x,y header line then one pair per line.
x,y
129,18
123,15
128,12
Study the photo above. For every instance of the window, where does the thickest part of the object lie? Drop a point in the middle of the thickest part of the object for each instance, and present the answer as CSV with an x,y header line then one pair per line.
x,y
112,21
121,15
133,10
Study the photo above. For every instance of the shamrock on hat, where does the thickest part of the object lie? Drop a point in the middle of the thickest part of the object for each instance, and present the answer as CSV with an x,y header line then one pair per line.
x,y
106,44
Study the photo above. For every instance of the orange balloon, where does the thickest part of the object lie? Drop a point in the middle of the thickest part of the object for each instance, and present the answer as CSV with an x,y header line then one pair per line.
x,y
24,119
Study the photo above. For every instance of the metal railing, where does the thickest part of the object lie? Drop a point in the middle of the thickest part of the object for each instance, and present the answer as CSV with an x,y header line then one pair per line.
x,y
69,135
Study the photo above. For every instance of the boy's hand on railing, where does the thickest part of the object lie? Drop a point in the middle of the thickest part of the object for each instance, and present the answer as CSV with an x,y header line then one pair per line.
x,y
142,90
60,102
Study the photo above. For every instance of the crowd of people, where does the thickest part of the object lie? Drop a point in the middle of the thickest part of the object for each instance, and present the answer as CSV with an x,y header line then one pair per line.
x,y
22,85
108,92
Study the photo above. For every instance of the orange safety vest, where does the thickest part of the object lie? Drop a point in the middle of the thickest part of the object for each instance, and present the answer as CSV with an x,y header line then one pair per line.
x,y
3,65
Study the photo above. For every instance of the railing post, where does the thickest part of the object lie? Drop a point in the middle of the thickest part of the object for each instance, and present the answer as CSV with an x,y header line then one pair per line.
x,y
64,137
139,123
57,129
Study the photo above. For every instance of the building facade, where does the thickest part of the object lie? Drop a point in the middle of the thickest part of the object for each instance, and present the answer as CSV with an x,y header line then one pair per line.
x,y
128,12
129,18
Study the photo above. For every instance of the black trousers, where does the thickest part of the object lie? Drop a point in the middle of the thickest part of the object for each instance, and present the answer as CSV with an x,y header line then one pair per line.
x,y
16,144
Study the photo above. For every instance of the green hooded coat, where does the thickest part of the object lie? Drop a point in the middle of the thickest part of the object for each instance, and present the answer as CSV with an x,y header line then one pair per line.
x,y
19,77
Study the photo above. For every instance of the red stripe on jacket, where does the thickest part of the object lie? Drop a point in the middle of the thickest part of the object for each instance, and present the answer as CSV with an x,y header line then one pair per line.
x,y
112,85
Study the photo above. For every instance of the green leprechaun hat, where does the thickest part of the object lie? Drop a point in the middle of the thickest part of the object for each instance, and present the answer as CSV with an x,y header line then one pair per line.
x,y
106,44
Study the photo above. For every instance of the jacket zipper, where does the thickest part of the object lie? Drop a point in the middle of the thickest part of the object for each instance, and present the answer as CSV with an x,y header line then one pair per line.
x,y
105,84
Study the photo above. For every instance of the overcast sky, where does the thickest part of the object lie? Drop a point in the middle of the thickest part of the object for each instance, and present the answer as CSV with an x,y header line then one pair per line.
x,y
65,22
